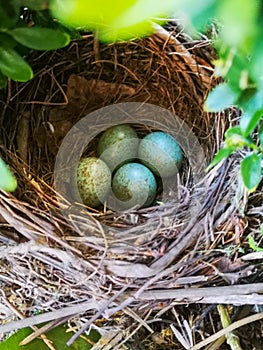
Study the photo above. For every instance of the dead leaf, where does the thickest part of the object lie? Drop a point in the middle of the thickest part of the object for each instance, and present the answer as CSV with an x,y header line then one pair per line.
x,y
84,96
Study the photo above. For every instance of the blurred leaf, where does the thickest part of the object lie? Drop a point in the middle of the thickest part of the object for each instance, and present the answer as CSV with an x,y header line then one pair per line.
x,y
7,180
246,95
43,19
58,336
248,122
235,130
220,98
36,4
112,20
251,171
223,153
7,40
195,15
201,16
257,58
14,66
236,141
238,74
234,67
252,111
235,138
239,22
9,13
39,38
260,134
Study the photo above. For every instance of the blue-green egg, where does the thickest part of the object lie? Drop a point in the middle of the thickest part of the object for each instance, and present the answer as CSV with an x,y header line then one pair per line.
x,y
134,185
93,180
118,145
160,152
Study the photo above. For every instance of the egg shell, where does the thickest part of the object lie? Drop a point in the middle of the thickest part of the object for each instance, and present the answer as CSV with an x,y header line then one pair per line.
x,y
160,152
93,180
118,145
135,185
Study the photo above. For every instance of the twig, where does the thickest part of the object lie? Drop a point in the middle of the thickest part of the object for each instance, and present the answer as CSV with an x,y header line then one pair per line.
x,y
20,315
67,311
184,53
39,331
104,306
228,329
231,338
216,345
247,294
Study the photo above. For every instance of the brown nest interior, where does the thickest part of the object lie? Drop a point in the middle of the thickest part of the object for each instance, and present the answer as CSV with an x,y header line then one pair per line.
x,y
123,264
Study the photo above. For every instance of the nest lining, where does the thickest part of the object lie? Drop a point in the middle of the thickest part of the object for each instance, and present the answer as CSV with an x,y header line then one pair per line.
x,y
42,250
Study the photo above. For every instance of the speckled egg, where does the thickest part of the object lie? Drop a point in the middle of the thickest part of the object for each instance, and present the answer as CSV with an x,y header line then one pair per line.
x,y
134,185
118,145
161,153
93,180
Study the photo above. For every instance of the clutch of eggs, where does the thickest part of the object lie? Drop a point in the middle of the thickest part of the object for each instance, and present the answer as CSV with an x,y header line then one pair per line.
x,y
134,164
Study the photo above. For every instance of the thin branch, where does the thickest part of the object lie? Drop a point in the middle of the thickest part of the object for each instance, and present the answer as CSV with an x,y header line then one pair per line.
x,y
228,329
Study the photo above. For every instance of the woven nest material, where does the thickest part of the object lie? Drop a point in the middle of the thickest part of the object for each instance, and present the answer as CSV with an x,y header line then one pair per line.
x,y
82,264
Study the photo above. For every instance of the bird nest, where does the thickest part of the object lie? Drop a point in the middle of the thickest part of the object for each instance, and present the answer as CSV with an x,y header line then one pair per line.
x,y
124,273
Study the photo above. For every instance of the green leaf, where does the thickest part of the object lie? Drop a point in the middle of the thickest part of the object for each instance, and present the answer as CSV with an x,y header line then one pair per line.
x,y
256,61
220,98
248,123
201,17
7,40
260,134
235,130
239,22
9,13
7,180
13,65
251,171
251,102
252,244
223,153
113,20
233,66
39,38
235,138
3,81
58,336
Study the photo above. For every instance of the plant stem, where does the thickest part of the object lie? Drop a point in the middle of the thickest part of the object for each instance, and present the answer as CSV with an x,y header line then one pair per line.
x,y
231,338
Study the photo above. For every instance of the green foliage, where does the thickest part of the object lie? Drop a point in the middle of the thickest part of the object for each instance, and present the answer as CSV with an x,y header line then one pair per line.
x,y
221,97
113,20
12,65
7,180
222,154
38,38
9,13
252,244
251,171
16,33
251,165
240,57
58,336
